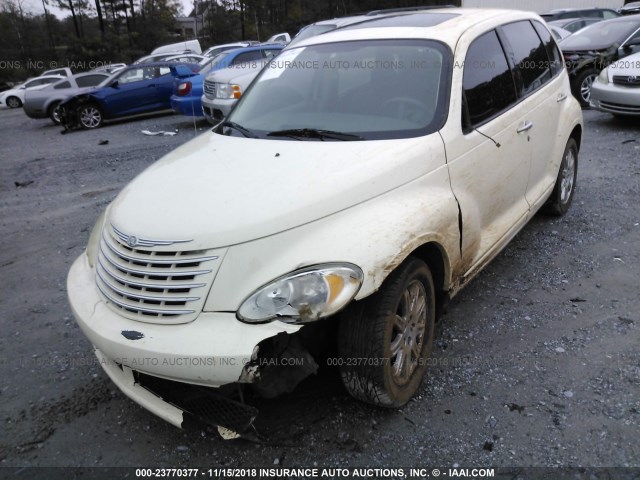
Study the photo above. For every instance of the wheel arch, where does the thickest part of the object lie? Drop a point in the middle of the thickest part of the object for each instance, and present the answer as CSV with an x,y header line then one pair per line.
x,y
435,256
576,134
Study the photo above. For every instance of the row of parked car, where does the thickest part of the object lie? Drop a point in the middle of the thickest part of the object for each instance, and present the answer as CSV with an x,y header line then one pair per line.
x,y
593,40
593,43
209,83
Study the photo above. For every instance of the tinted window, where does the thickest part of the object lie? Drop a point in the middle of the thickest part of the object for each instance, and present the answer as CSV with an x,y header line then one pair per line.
x,y
553,52
247,57
529,55
89,80
591,14
487,81
607,14
36,82
62,85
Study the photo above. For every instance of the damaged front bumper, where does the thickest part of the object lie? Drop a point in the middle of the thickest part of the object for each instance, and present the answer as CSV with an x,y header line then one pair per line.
x,y
212,351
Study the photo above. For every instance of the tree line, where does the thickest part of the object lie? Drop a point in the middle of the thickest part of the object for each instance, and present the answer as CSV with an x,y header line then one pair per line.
x,y
96,32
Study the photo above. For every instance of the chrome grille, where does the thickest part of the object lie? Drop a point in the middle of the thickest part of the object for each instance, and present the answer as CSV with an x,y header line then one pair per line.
x,y
210,89
152,285
626,80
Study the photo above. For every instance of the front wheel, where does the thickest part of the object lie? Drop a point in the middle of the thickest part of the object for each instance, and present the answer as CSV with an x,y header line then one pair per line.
x,y
582,86
385,346
14,102
562,194
90,116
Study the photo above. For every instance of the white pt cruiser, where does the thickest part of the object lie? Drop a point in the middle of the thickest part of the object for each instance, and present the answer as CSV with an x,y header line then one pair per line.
x,y
365,177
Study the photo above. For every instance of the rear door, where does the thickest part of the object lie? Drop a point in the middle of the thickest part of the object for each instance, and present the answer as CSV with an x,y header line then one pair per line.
x,y
489,159
536,64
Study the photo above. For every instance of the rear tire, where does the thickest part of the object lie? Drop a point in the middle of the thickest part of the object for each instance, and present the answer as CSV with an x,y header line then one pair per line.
x,y
384,347
562,194
90,116
14,102
54,113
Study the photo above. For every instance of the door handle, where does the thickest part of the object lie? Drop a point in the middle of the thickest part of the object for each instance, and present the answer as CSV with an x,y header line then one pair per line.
x,y
527,126
562,97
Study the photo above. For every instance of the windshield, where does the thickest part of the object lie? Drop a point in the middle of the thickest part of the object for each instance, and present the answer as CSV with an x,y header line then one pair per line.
x,y
600,35
373,89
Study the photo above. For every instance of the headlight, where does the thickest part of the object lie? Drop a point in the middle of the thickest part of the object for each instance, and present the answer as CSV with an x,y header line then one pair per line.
x,y
303,296
604,76
94,240
228,90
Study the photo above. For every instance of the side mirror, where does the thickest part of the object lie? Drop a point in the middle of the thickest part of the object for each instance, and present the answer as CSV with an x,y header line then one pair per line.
x,y
633,43
114,84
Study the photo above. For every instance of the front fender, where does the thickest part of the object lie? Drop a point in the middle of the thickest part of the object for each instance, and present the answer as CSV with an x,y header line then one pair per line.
x,y
377,235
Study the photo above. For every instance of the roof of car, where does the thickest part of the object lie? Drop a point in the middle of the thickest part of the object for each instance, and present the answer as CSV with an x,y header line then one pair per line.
x,y
445,24
563,10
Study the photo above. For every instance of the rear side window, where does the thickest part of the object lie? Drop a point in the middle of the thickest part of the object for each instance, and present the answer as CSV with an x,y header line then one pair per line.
x,y
62,85
90,80
529,56
553,51
608,14
487,81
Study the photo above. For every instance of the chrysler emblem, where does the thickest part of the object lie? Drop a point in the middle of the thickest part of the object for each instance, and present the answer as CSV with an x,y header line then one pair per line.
x,y
136,241
132,241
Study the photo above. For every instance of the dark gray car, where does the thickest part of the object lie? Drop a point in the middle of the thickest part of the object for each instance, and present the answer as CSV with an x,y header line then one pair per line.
x,y
43,103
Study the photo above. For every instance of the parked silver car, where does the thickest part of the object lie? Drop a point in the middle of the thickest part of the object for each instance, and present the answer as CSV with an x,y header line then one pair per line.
x,y
43,103
617,88
223,88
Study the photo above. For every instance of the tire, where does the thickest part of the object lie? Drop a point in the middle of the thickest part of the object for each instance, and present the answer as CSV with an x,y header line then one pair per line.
x,y
374,341
582,86
53,113
565,187
14,102
90,116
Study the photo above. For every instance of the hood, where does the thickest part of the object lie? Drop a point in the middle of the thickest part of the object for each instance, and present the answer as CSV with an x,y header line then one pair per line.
x,y
219,191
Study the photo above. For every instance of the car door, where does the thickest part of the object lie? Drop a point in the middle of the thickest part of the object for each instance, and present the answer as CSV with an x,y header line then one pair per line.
x,y
163,87
487,151
133,93
542,93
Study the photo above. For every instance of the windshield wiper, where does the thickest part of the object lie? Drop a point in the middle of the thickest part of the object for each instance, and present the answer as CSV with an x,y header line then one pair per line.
x,y
244,131
299,133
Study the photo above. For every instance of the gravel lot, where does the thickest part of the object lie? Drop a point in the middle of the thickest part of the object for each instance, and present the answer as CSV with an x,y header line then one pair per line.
x,y
537,362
